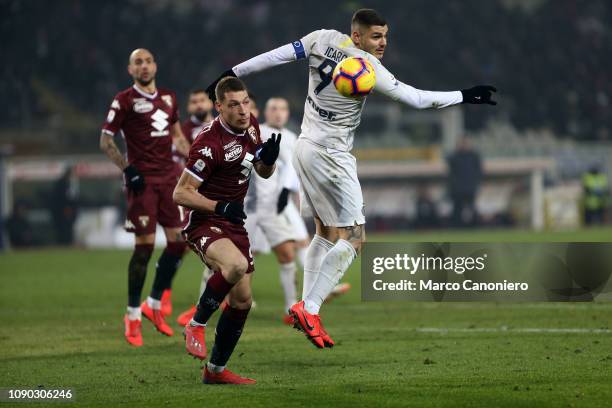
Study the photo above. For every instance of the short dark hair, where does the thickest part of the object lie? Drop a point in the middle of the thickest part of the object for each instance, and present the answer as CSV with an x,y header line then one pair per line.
x,y
367,18
228,84
197,91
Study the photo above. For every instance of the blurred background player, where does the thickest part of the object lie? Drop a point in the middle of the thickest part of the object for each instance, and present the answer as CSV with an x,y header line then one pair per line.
x,y
213,186
148,118
330,190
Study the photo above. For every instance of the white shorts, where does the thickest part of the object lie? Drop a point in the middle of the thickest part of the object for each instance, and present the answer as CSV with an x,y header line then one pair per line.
x,y
275,228
329,188
296,221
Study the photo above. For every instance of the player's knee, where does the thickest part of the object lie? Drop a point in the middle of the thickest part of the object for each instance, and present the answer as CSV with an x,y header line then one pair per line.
x,y
236,267
285,252
243,302
355,236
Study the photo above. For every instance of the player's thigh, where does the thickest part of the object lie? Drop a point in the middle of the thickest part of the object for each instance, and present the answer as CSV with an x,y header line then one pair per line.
x,y
174,234
277,229
146,239
241,297
142,211
223,255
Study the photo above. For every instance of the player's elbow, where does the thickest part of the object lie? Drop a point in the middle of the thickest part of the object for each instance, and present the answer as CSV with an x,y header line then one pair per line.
x,y
178,195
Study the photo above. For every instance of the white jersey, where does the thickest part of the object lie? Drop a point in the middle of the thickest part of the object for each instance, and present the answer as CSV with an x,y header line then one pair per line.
x,y
262,195
330,119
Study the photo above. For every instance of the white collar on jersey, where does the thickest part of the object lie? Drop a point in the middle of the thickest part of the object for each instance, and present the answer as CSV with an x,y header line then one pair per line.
x,y
145,94
228,129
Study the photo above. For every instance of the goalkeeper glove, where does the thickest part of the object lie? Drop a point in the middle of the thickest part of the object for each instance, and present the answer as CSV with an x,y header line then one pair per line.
x,y
479,94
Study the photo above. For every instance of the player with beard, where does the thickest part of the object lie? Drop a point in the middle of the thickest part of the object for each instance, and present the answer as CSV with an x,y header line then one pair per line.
x,y
147,117
213,185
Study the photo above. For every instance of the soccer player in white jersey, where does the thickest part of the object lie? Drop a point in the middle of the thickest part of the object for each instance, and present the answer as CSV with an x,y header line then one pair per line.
x,y
330,190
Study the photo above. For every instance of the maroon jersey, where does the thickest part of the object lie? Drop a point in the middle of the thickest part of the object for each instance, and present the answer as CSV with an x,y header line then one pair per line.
x,y
145,121
222,160
191,127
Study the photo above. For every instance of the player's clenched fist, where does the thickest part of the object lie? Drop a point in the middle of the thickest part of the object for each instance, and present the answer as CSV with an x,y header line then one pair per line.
x,y
233,211
270,150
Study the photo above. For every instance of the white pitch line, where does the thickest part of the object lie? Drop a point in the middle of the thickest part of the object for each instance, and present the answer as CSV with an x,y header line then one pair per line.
x,y
508,330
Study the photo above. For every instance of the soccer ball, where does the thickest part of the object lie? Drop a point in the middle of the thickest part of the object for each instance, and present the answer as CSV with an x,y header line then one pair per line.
x,y
354,77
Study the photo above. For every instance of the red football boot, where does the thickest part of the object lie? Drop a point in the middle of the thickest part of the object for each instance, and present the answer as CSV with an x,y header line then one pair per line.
x,y
338,290
194,341
327,341
186,316
307,323
224,377
288,320
133,334
166,302
157,318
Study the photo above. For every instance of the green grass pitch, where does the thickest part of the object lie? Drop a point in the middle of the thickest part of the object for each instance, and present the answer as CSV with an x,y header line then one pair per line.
x,y
61,326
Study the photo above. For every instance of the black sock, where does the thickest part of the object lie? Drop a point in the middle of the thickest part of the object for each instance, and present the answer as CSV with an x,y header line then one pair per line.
x,y
167,264
137,272
216,290
229,330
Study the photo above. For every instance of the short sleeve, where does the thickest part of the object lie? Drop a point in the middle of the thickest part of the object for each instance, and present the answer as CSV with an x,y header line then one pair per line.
x,y
115,116
202,161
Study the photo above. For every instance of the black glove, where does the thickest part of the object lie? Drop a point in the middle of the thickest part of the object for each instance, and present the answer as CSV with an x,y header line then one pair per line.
x,y
233,211
133,179
270,150
479,94
283,199
211,88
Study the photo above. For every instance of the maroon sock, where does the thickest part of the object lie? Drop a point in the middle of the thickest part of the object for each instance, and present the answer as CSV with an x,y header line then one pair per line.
x,y
216,290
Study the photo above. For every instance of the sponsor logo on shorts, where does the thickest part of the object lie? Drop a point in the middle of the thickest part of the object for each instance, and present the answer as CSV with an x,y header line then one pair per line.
x,y
128,225
216,229
144,220
167,99
199,165
143,107
233,154
206,152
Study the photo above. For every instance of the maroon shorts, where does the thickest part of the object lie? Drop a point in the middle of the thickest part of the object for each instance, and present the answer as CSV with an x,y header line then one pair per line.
x,y
200,236
154,205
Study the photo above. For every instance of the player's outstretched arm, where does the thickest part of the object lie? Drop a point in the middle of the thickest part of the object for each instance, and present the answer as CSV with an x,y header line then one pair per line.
x,y
267,155
388,85
287,53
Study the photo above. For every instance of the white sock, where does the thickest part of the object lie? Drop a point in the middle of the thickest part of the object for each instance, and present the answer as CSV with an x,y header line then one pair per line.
x,y
134,313
318,248
153,303
300,254
206,274
334,264
215,368
193,323
287,279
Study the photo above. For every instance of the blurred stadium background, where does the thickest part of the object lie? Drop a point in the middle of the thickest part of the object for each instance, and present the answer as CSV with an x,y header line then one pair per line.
x,y
64,61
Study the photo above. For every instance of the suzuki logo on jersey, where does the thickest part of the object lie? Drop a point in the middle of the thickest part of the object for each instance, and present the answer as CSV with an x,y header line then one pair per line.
x,y
233,154
160,122
206,152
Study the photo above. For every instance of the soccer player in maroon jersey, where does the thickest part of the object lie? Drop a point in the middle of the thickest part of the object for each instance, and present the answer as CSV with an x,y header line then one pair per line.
x,y
213,186
148,118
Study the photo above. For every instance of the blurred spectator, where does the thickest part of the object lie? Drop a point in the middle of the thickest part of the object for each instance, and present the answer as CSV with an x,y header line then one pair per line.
x,y
19,228
426,210
64,206
464,177
595,187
